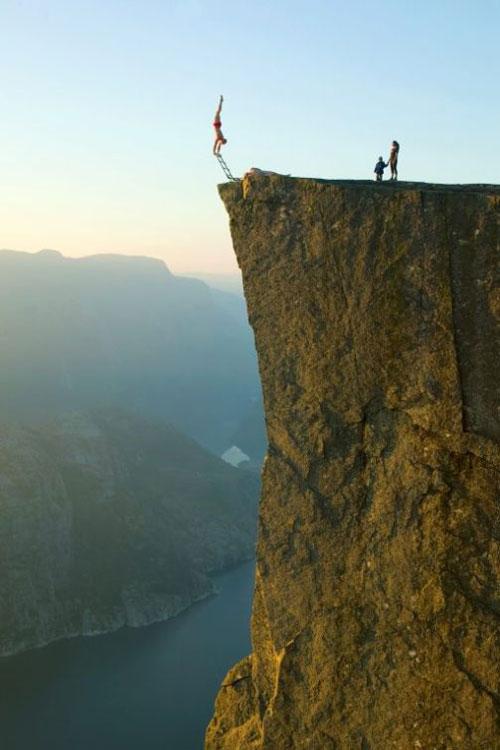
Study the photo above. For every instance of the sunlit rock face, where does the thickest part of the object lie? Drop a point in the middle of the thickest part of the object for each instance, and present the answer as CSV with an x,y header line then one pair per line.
x,y
376,312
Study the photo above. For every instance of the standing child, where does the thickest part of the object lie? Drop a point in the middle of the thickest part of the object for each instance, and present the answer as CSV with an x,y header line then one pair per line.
x,y
379,169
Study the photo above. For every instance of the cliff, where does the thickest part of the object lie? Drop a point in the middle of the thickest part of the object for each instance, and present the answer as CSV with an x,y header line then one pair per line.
x,y
110,520
376,312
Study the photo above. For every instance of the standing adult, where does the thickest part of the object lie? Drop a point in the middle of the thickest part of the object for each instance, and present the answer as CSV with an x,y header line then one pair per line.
x,y
393,160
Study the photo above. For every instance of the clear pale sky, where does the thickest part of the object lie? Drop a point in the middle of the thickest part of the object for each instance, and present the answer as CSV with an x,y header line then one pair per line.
x,y
107,105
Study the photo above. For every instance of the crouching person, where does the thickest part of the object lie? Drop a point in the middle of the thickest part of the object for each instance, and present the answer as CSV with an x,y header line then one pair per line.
x,y
379,169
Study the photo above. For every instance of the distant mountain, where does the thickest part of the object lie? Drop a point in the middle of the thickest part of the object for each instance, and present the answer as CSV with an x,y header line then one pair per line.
x,y
111,520
226,282
123,331
250,434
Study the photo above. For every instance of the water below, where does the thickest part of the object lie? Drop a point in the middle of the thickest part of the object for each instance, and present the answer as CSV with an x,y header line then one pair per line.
x,y
137,689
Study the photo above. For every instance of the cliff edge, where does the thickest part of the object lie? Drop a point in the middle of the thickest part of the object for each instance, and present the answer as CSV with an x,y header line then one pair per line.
x,y
376,312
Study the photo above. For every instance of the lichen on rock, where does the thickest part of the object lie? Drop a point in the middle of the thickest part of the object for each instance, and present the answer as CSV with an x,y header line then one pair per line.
x,y
376,613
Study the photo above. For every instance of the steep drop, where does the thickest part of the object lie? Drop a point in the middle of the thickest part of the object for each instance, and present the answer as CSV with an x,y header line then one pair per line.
x,y
376,312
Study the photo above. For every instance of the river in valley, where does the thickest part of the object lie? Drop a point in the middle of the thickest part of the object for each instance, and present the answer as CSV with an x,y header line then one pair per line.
x,y
150,688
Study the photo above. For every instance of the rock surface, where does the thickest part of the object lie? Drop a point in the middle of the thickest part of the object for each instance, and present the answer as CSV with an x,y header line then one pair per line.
x,y
376,312
110,520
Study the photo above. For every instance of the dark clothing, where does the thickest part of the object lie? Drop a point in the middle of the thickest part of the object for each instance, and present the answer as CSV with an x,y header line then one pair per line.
x,y
379,168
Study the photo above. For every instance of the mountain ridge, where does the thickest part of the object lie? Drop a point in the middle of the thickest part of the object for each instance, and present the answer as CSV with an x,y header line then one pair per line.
x,y
113,330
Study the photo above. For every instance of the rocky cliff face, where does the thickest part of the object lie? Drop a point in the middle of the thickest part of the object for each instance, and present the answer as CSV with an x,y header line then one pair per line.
x,y
376,312
110,520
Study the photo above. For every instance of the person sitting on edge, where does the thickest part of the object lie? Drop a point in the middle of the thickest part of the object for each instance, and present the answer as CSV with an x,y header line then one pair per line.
x,y
219,138
379,169
393,160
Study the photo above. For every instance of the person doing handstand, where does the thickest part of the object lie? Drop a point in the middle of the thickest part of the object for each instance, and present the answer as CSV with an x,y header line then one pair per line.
x,y
219,138
393,160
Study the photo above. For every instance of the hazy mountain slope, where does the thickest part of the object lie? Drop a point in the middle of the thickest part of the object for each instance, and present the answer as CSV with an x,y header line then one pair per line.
x,y
106,520
250,435
118,330
227,282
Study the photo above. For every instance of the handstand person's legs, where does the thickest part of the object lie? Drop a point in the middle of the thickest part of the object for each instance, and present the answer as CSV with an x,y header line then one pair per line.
x,y
218,110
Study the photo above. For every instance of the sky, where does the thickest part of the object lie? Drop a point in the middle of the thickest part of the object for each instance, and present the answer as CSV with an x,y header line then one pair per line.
x,y
106,109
